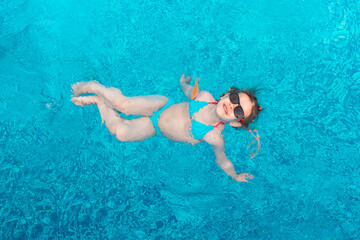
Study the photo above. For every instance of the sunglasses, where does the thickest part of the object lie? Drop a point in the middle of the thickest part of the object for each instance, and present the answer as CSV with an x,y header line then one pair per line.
x,y
238,111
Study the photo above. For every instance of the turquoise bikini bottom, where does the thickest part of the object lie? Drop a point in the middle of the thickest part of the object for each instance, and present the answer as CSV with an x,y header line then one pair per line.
x,y
156,116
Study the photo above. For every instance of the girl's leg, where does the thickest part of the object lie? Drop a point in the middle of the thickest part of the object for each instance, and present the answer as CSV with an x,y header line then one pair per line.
x,y
125,130
139,105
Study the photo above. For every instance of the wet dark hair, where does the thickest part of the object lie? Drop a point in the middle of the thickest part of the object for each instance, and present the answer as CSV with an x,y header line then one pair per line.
x,y
255,109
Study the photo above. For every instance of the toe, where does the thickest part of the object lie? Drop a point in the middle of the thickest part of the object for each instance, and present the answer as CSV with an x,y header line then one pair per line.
x,y
78,88
76,101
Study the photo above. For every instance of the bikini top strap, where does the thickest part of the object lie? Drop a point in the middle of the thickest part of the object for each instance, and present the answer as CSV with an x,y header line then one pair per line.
x,y
218,124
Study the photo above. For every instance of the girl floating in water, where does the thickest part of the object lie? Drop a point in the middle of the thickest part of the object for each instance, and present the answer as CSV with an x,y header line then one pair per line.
x,y
200,120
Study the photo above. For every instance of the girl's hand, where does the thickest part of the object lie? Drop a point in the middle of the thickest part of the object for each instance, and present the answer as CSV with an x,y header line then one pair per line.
x,y
183,80
242,177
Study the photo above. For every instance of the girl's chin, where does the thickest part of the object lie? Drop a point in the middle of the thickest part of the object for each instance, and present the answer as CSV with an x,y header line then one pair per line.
x,y
222,115
225,119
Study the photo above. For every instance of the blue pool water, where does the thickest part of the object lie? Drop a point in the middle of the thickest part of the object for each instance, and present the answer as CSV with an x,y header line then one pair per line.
x,y
63,175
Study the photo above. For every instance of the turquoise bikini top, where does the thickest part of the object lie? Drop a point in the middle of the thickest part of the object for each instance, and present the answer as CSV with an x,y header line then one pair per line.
x,y
197,129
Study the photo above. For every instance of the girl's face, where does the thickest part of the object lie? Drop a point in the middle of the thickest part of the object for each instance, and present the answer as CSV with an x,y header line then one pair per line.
x,y
225,108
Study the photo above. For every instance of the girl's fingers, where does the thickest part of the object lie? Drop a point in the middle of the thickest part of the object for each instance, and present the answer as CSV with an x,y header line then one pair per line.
x,y
182,78
249,176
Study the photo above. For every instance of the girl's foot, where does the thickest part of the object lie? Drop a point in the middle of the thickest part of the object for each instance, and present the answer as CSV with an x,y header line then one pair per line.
x,y
82,101
243,177
84,87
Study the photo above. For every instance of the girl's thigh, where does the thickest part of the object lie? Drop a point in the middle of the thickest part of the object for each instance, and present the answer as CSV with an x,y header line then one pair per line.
x,y
135,130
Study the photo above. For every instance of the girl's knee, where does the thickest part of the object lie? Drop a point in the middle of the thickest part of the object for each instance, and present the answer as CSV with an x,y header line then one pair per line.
x,y
116,92
163,98
122,134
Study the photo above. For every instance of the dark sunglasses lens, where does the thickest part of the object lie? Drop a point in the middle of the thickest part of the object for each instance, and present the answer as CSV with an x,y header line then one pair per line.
x,y
234,98
239,112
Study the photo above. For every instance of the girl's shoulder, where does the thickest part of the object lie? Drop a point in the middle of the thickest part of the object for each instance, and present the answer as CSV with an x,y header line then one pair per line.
x,y
204,96
215,137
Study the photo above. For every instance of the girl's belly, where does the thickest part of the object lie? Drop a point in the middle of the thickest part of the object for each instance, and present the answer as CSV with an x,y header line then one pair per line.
x,y
174,123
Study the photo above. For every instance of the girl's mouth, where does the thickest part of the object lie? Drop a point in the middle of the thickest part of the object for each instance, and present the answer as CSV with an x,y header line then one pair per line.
x,y
225,109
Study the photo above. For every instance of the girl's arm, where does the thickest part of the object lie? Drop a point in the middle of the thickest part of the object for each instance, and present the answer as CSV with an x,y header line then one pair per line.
x,y
218,144
192,92
186,88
